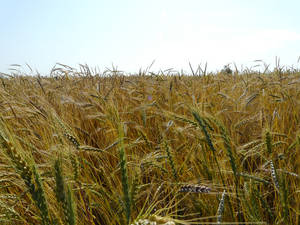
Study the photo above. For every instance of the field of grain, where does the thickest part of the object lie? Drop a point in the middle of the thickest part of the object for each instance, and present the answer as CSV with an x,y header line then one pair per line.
x,y
150,149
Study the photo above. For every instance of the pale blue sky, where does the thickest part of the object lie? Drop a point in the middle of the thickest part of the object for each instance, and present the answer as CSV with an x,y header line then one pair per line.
x,y
132,33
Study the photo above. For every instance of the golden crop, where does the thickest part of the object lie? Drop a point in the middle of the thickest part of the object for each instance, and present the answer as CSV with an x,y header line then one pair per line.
x,y
150,149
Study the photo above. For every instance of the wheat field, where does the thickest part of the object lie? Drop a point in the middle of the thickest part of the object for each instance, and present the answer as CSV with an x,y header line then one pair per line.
x,y
84,148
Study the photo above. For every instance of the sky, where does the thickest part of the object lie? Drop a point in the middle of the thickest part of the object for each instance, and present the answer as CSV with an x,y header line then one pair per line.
x,y
130,34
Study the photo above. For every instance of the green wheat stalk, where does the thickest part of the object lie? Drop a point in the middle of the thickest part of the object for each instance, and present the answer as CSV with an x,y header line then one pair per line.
x,y
171,161
268,140
38,195
227,145
125,184
29,174
63,194
75,168
208,140
212,148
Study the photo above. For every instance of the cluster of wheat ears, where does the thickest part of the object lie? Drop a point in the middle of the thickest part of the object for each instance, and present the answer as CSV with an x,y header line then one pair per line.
x,y
84,148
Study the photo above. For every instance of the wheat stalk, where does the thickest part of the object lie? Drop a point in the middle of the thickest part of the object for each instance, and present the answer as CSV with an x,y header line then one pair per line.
x,y
171,161
64,195
28,173
124,175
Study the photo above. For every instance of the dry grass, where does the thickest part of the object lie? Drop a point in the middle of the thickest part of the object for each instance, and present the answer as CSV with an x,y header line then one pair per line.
x,y
83,149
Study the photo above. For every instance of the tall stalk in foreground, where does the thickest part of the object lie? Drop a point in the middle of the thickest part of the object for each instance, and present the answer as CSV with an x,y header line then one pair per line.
x,y
201,122
280,184
124,175
209,141
227,145
27,172
64,195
